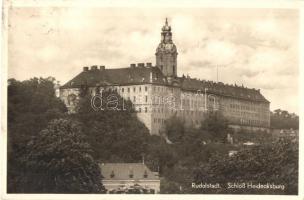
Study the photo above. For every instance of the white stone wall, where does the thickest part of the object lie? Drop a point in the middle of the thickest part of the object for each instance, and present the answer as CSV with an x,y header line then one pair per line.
x,y
245,113
156,103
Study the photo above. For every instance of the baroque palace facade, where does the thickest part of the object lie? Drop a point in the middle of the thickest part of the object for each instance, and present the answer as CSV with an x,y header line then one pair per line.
x,y
158,93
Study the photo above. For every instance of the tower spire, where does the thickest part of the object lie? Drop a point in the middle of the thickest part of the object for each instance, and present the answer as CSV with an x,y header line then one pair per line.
x,y
166,21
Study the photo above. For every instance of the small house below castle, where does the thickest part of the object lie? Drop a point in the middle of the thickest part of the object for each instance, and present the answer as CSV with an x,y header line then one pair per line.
x,y
129,178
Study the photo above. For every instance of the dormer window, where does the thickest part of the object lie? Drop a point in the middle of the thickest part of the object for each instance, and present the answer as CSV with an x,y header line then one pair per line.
x,y
112,175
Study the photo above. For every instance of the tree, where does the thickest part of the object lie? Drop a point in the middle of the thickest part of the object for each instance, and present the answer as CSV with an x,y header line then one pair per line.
x,y
174,128
217,126
59,160
112,130
281,119
31,105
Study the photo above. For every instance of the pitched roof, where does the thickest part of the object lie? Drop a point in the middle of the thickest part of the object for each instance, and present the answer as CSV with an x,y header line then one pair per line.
x,y
118,76
142,74
122,171
222,89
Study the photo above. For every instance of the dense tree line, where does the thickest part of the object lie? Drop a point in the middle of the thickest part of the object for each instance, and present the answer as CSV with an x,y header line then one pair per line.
x,y
282,119
47,153
203,157
52,151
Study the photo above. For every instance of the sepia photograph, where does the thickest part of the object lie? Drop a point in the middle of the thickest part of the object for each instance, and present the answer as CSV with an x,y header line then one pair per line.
x,y
152,100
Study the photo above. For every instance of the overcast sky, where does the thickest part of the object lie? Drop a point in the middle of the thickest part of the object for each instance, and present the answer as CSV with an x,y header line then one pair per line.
x,y
254,47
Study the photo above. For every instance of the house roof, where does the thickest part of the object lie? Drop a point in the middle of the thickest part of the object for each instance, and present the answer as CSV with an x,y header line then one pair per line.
x,y
122,171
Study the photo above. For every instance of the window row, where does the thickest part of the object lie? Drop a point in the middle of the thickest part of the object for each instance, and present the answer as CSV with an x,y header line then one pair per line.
x,y
128,89
159,121
137,99
145,110
246,107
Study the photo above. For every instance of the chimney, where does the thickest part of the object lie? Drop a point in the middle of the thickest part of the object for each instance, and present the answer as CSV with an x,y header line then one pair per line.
x,y
85,69
149,64
132,65
102,68
140,64
94,67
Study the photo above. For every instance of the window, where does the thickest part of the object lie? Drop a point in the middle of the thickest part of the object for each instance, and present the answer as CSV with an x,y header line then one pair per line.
x,y
112,175
122,89
134,98
139,88
139,109
145,174
134,89
128,89
131,174
146,109
146,98
146,88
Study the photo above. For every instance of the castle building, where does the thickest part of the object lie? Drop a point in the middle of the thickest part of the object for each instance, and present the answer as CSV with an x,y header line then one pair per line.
x,y
158,93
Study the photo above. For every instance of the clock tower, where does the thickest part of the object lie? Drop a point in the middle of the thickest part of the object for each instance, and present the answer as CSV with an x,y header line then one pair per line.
x,y
166,53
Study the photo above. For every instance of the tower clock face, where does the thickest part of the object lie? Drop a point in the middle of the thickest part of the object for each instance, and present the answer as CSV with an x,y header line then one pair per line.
x,y
169,47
